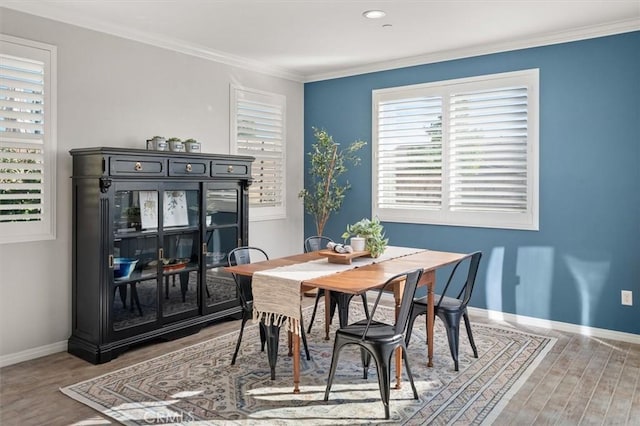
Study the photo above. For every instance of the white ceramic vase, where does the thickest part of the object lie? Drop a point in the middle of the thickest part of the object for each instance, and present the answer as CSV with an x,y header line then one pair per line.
x,y
357,243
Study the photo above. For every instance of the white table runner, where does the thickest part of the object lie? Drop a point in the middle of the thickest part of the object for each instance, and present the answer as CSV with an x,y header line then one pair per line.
x,y
276,292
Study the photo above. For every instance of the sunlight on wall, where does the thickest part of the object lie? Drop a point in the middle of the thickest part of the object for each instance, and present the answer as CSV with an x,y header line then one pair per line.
x,y
527,289
590,276
494,279
534,268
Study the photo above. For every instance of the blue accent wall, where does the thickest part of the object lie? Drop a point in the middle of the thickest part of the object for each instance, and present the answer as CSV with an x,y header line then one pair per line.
x,y
588,247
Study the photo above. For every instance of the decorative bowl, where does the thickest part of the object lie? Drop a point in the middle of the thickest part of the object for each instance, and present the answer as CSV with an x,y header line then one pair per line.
x,y
174,264
123,267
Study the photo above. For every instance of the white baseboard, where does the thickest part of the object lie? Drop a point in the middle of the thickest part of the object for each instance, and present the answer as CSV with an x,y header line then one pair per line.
x,y
600,333
34,353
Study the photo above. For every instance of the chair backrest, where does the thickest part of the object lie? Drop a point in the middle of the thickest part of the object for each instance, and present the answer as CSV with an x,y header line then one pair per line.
x,y
316,242
465,292
241,256
411,279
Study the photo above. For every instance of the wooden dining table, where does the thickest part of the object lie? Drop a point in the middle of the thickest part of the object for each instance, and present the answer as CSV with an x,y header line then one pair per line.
x,y
360,280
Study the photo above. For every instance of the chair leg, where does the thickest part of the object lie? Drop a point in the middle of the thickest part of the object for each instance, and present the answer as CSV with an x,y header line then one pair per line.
x,y
315,309
332,307
122,290
304,338
467,325
409,373
332,370
263,336
235,354
383,367
273,337
342,300
365,305
306,346
452,325
135,299
184,285
365,357
415,312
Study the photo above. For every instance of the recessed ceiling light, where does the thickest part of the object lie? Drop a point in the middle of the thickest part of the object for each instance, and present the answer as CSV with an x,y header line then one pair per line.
x,y
374,14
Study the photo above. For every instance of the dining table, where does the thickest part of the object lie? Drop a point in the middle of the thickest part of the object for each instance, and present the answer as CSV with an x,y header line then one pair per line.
x,y
356,279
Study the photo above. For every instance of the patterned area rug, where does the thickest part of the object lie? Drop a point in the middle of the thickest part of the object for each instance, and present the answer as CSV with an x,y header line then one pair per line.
x,y
197,385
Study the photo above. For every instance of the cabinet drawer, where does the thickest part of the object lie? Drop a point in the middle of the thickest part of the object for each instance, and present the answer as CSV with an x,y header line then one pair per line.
x,y
133,167
229,168
187,168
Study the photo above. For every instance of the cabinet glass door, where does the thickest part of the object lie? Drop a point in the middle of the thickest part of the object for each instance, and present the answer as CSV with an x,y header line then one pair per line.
x,y
181,250
222,235
133,262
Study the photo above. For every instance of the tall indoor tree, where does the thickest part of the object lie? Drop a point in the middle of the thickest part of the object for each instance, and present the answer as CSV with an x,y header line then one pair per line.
x,y
325,192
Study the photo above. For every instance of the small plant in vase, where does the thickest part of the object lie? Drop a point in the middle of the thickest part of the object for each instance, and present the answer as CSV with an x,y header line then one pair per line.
x,y
373,233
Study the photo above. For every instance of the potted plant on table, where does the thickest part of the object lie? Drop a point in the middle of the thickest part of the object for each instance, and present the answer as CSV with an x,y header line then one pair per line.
x,y
324,194
372,231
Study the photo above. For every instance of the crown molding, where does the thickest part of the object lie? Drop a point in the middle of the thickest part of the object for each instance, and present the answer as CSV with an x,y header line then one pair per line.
x,y
583,33
49,11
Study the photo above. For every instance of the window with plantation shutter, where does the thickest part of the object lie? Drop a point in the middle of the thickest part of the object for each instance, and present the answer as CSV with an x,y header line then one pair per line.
x,y
459,152
258,130
27,140
409,160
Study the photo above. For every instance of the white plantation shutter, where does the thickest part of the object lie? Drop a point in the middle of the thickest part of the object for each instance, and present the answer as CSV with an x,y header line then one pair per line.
x,y
409,155
461,152
27,140
488,150
258,120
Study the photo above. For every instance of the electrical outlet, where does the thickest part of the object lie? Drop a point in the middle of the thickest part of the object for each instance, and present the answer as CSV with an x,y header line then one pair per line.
x,y
627,297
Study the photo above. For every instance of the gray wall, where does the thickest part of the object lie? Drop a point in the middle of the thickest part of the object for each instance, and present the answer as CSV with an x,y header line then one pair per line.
x,y
117,92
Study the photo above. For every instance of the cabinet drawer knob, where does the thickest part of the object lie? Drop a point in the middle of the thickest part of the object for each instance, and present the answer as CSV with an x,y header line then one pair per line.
x,y
189,168
138,166
229,169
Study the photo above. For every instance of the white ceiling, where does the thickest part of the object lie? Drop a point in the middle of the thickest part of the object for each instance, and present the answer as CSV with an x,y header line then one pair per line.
x,y
308,40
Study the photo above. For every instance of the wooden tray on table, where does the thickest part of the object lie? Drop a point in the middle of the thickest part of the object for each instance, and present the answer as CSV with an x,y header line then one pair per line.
x,y
342,258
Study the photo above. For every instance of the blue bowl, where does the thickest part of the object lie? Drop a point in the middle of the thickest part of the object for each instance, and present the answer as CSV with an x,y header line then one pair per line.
x,y
123,267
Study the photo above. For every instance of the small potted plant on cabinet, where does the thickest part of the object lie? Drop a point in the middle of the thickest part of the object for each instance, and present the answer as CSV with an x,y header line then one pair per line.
x,y
372,231
176,145
192,145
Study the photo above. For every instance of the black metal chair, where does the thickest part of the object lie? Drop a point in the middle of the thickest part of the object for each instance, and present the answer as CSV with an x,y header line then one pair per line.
x,y
450,310
241,256
268,334
379,340
338,299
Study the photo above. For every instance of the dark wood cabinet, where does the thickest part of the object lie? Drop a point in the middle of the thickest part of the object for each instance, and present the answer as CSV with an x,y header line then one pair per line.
x,y
151,233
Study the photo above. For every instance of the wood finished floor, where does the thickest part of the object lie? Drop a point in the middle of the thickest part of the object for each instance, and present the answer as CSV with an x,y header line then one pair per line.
x,y
582,381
